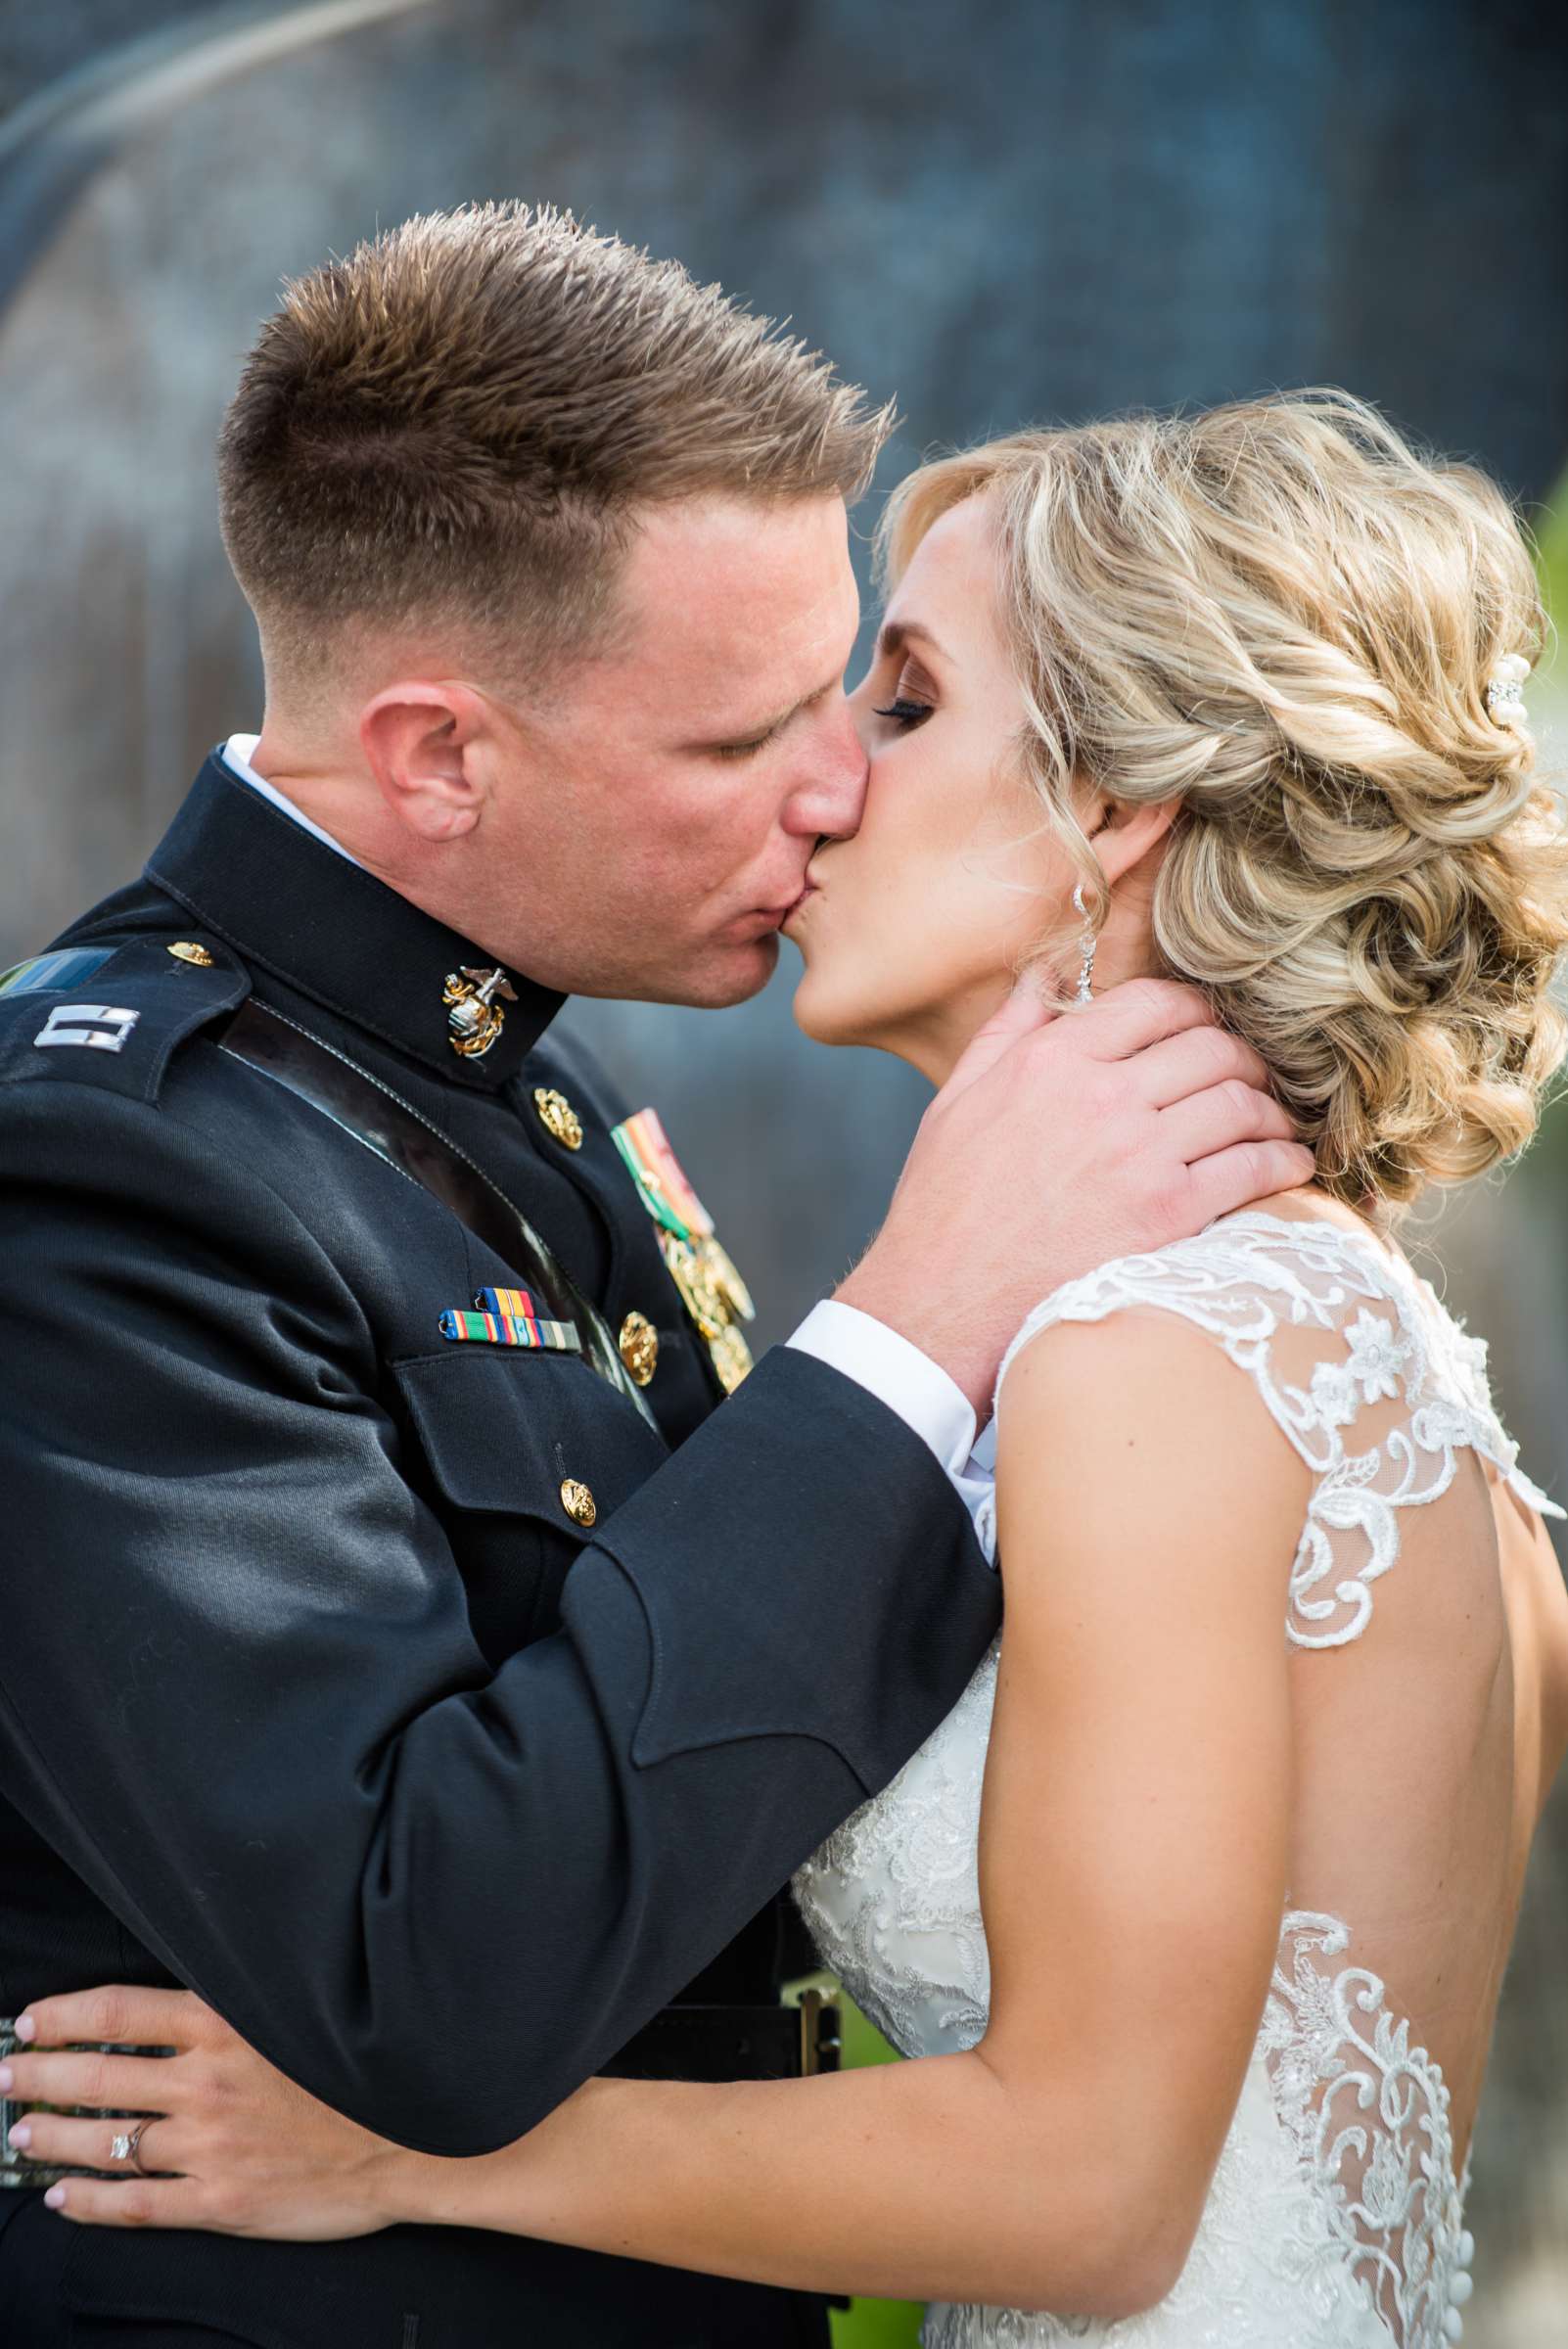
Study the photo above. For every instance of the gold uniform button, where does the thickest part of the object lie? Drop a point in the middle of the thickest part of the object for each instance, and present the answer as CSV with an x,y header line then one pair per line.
x,y
578,1503
558,1118
186,950
639,1347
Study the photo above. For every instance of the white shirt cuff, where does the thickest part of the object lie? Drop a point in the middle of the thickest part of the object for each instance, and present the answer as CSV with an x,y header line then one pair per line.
x,y
897,1373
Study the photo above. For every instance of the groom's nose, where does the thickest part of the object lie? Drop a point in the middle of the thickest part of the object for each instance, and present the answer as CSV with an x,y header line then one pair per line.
x,y
829,792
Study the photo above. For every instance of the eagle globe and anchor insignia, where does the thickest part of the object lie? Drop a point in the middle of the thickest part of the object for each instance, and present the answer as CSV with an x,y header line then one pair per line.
x,y
713,1292
475,1017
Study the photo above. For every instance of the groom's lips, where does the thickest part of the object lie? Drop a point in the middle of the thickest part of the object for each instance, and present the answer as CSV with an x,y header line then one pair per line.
x,y
764,920
779,914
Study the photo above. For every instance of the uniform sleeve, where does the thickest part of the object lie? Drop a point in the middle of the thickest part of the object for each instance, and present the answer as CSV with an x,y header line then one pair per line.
x,y
238,1692
898,1374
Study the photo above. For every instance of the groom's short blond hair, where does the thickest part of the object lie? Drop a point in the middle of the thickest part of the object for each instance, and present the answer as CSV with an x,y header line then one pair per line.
x,y
453,429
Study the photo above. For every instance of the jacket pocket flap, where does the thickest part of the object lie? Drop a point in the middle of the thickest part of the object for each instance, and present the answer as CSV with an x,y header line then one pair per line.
x,y
504,1429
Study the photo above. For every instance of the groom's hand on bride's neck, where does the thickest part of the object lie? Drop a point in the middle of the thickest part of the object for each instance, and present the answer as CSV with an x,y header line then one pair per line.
x,y
1058,1143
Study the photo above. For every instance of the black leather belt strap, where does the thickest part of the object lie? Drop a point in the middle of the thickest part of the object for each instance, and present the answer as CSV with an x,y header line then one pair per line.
x,y
382,1122
734,2042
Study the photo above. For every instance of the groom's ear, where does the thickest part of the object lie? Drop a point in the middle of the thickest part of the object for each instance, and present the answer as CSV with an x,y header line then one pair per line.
x,y
425,745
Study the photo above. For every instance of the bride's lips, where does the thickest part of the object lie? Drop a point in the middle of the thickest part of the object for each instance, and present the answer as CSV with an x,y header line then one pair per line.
x,y
812,889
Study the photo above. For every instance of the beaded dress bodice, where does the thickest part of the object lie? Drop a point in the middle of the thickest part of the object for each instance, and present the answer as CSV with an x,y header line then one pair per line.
x,y
1334,2219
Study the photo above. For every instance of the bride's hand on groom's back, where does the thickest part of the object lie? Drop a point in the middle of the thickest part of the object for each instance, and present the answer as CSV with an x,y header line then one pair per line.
x,y
234,2146
1061,1141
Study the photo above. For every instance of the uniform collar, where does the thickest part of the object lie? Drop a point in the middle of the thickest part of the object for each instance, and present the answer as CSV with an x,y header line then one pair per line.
x,y
315,919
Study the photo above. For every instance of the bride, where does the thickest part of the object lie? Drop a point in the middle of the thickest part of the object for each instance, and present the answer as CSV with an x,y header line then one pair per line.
x,y
1197,1908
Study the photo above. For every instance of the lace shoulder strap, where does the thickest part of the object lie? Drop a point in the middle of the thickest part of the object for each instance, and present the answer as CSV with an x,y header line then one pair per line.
x,y
1384,1337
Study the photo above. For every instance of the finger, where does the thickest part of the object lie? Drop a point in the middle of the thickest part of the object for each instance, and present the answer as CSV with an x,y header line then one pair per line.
x,y
144,2018
140,2202
1208,1123
1246,1172
1021,1013
64,2144
1180,1065
99,2083
1139,1012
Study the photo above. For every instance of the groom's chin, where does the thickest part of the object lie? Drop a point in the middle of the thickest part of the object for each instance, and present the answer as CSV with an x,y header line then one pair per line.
x,y
725,976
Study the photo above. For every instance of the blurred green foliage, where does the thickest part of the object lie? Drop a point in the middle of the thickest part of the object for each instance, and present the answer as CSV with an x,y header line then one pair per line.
x,y
1551,556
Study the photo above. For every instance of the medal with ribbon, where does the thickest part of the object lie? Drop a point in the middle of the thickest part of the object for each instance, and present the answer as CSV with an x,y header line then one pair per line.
x,y
712,1290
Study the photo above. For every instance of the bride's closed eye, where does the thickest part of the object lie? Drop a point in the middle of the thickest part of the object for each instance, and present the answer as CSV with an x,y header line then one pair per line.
x,y
913,699
914,692
904,712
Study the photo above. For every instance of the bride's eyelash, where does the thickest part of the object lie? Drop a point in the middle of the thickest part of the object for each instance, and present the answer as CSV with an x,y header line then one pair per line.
x,y
906,714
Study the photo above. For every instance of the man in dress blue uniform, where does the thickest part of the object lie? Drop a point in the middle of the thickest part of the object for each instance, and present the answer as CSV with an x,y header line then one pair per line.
x,y
401,1650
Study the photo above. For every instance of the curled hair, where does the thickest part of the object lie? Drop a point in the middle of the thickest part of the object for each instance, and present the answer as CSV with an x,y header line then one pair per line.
x,y
1281,616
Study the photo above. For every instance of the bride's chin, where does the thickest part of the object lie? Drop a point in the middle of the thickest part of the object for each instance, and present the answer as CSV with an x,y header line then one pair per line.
x,y
825,1020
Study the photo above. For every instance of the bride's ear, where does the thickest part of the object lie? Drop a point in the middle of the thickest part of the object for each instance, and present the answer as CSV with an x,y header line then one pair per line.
x,y
1125,836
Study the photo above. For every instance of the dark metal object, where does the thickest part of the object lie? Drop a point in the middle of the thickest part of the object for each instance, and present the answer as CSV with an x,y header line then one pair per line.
x,y
53,144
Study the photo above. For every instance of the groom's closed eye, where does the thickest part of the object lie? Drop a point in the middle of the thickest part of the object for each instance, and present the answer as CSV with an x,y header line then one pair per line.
x,y
745,746
752,744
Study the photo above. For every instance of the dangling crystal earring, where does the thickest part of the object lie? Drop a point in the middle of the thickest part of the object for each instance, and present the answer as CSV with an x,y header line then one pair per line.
x,y
1089,942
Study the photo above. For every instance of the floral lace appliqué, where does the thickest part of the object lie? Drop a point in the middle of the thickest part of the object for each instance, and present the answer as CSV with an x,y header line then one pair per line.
x,y
1369,2116
1241,1280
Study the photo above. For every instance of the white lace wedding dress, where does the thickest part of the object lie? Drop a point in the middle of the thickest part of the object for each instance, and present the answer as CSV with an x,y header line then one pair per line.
x,y
1334,2220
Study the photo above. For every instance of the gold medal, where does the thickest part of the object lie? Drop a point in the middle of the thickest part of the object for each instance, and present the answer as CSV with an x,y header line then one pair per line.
x,y
731,1357
722,1277
698,1294
712,1290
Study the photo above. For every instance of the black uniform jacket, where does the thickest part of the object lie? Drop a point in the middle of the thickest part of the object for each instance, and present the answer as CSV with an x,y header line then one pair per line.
x,y
313,1697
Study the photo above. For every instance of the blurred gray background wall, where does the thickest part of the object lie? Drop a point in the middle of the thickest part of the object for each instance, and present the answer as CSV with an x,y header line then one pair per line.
x,y
1020,209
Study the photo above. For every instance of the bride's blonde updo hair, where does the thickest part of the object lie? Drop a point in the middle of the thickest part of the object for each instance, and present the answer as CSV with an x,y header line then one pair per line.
x,y
1280,615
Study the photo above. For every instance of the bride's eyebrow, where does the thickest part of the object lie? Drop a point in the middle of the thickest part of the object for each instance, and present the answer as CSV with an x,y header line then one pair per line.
x,y
897,634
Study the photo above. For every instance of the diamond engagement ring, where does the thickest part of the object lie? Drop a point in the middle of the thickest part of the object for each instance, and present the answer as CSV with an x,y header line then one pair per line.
x,y
125,2148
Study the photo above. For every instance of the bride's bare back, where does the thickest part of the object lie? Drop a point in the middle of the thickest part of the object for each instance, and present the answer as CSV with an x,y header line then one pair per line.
x,y
1403,1741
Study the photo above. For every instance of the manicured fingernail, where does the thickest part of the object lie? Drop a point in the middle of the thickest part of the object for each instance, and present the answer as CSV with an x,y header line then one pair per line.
x,y
21,2135
7,2078
25,2027
56,2197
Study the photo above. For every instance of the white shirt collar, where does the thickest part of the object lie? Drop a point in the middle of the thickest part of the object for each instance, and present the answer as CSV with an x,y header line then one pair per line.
x,y
237,752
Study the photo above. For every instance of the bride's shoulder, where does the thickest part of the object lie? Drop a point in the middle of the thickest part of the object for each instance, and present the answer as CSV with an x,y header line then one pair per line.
x,y
1132,1431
